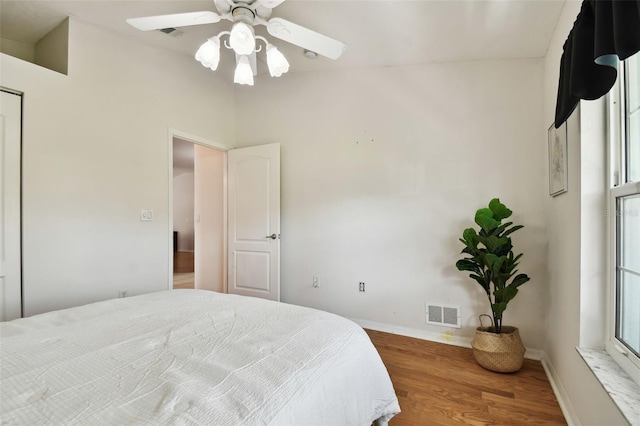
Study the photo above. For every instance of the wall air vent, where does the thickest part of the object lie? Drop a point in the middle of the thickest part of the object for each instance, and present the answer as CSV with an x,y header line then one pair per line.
x,y
447,316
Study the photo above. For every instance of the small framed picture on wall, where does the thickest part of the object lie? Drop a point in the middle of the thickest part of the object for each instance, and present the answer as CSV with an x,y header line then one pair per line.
x,y
558,162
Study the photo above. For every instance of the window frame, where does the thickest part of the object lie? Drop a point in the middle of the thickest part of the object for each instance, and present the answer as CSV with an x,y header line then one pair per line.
x,y
618,187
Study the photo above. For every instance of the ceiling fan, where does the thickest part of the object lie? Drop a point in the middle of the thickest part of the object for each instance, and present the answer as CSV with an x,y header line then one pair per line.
x,y
245,14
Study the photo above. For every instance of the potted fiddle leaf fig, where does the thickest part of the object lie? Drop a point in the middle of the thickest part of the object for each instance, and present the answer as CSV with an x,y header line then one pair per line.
x,y
492,264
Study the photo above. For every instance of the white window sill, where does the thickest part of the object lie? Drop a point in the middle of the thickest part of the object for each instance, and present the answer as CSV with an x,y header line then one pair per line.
x,y
624,392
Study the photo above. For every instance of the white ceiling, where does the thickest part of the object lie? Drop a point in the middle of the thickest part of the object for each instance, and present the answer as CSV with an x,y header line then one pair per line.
x,y
378,33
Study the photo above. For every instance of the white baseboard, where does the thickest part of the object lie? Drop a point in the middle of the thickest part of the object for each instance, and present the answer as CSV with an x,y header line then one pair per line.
x,y
535,354
465,342
412,332
568,411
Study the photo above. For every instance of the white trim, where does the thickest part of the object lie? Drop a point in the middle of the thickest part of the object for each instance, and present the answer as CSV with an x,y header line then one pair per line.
x,y
628,361
225,225
616,126
413,332
431,336
175,133
618,188
625,190
570,414
197,139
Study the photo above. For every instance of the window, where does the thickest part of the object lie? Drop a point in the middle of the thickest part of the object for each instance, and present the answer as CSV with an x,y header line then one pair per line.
x,y
624,341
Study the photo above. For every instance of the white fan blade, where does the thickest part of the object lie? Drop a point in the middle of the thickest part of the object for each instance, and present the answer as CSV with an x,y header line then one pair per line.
x,y
305,38
175,20
268,4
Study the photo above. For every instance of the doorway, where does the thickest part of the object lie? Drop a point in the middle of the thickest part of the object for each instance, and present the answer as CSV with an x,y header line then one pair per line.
x,y
198,207
183,214
238,195
10,205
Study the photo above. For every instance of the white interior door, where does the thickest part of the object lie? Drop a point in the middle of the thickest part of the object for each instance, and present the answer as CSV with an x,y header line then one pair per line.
x,y
254,221
10,250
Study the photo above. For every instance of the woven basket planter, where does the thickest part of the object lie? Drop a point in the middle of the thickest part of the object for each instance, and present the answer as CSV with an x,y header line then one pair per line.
x,y
503,353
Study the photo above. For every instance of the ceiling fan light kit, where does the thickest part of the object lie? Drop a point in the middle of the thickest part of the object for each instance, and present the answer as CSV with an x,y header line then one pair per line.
x,y
209,56
244,73
276,61
242,38
209,53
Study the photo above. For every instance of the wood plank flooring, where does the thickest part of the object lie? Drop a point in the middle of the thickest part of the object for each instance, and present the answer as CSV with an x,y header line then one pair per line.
x,y
183,280
183,261
440,384
183,269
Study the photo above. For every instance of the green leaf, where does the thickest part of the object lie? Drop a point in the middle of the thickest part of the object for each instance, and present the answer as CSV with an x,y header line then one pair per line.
x,y
484,218
514,229
505,295
468,265
468,250
494,243
470,237
490,259
519,280
510,264
498,309
500,211
483,282
497,265
501,228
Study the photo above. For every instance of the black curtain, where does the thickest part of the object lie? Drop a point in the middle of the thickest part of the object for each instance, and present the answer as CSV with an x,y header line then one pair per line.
x,y
604,33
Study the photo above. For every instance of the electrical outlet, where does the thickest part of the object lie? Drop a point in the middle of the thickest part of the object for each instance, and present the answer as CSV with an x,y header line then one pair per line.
x,y
361,287
316,281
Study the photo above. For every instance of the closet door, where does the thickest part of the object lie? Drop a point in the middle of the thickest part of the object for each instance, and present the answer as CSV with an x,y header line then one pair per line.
x,y
10,245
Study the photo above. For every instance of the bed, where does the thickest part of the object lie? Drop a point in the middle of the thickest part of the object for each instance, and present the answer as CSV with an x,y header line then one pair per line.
x,y
191,357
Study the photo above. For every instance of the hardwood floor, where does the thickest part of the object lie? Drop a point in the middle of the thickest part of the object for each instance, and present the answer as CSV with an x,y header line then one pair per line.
x,y
183,269
183,280
183,261
440,384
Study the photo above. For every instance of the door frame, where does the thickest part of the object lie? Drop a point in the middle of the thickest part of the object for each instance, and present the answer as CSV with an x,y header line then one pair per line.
x,y
175,133
21,95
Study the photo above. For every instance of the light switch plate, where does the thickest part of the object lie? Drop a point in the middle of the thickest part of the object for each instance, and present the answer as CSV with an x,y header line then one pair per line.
x,y
146,215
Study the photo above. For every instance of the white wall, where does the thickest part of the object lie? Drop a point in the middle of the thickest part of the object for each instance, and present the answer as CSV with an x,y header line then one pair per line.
x,y
569,239
52,50
382,169
183,199
19,49
209,167
95,153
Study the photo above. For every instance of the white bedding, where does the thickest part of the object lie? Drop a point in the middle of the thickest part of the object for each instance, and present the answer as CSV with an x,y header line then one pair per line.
x,y
191,357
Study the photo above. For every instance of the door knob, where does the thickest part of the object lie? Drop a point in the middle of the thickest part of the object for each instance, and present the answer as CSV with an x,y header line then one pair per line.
x,y
272,236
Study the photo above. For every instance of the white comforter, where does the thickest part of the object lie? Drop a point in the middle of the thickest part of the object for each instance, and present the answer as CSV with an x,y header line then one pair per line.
x,y
191,357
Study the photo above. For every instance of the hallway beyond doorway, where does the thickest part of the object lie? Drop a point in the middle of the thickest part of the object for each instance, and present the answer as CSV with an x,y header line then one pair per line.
x,y
183,269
